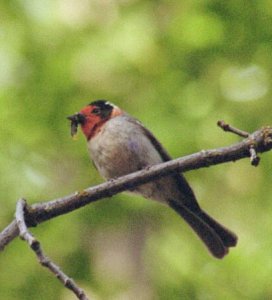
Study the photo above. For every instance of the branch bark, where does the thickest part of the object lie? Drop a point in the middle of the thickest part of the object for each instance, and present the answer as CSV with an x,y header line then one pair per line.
x,y
260,141
35,245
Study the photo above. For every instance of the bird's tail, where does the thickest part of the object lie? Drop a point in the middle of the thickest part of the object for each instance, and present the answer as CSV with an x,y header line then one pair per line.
x,y
228,237
216,237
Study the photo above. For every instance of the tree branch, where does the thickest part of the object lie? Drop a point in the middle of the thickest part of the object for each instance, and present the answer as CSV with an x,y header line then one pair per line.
x,y
260,141
35,245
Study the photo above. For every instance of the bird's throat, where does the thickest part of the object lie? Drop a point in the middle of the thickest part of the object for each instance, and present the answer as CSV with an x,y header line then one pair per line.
x,y
91,130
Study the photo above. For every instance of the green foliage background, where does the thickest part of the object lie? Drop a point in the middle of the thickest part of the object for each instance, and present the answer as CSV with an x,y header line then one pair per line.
x,y
178,66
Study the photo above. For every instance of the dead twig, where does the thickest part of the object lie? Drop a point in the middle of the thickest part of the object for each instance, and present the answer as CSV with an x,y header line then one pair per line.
x,y
21,209
254,158
229,128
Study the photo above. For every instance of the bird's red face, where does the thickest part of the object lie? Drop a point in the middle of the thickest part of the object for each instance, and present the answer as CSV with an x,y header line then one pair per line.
x,y
92,120
92,117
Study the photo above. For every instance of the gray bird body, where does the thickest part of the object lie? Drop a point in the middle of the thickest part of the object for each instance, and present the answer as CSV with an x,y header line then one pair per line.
x,y
123,145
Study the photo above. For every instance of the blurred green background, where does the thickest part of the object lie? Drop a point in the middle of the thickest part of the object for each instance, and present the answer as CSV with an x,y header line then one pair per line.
x,y
178,66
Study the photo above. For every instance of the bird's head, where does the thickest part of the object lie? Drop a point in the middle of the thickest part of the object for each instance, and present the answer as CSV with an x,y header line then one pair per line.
x,y
92,117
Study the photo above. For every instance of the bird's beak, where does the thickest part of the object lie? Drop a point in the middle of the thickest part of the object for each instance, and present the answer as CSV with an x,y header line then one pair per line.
x,y
76,119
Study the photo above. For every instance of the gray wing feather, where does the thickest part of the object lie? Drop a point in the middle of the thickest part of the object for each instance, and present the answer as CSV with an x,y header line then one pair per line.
x,y
182,184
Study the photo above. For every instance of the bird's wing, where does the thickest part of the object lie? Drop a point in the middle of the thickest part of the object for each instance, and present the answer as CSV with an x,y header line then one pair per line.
x,y
185,189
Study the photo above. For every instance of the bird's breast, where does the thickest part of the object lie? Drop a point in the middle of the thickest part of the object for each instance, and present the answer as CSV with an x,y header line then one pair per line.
x,y
120,148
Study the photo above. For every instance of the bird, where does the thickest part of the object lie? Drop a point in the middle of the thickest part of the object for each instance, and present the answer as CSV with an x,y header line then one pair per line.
x,y
119,144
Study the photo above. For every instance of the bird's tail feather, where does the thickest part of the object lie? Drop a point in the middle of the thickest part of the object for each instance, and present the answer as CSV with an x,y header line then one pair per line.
x,y
228,237
216,237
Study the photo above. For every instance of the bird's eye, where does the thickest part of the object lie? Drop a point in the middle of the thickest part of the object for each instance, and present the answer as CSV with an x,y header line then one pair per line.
x,y
96,111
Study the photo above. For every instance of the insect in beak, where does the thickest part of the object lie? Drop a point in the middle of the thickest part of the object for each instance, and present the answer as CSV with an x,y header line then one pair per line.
x,y
76,119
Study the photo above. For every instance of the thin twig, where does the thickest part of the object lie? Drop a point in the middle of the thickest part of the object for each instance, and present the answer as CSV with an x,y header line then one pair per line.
x,y
228,128
40,212
35,245
254,158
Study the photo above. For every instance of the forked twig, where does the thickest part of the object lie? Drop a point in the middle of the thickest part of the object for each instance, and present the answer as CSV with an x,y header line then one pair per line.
x,y
254,158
